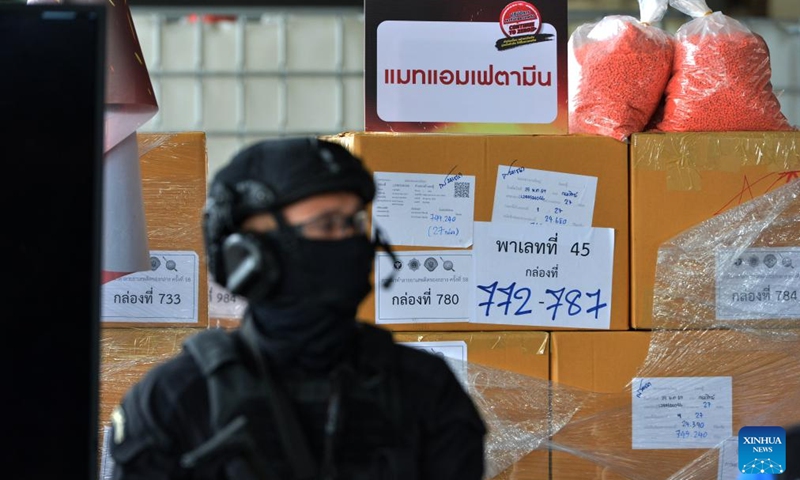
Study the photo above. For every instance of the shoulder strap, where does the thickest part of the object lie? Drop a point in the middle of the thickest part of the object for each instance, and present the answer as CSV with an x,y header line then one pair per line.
x,y
216,355
211,349
230,384
295,444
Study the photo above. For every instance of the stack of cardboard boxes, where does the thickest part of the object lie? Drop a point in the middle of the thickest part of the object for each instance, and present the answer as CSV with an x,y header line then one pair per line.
x,y
655,188
173,167
648,192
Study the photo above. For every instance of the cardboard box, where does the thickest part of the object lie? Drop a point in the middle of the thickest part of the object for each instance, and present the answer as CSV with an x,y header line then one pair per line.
x,y
489,67
525,353
596,444
174,171
679,180
480,156
603,362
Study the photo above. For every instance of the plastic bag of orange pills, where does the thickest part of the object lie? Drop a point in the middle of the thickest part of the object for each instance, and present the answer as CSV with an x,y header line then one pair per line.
x,y
721,77
618,69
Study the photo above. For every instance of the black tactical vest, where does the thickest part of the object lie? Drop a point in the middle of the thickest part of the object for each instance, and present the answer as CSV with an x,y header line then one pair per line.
x,y
349,425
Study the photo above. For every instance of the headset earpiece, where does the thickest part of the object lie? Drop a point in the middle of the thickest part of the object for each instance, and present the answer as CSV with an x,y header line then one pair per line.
x,y
239,262
251,267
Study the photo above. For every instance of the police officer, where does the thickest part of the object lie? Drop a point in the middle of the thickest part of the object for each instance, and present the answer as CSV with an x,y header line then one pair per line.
x,y
301,390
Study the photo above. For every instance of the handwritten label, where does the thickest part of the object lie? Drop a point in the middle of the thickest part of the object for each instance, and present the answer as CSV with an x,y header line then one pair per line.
x,y
551,277
428,287
168,293
427,210
758,284
224,304
540,197
681,412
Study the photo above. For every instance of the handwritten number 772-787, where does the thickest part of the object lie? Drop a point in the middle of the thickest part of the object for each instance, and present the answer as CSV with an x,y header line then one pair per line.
x,y
514,300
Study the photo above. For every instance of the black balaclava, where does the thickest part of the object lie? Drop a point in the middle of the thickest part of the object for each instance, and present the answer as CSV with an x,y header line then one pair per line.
x,y
305,313
311,319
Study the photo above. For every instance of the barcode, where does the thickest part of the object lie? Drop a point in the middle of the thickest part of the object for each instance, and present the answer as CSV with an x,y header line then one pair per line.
x,y
461,189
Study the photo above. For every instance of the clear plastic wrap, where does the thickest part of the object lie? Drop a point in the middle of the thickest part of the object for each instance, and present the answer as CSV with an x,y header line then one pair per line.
x,y
520,413
174,175
126,354
721,77
618,69
703,329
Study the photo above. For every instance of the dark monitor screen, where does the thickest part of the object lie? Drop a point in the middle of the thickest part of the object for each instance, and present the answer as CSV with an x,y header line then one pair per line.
x,y
52,66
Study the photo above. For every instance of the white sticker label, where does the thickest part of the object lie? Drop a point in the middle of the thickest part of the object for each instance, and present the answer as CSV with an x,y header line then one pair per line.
x,y
224,304
758,284
166,294
543,276
681,412
428,287
427,210
540,197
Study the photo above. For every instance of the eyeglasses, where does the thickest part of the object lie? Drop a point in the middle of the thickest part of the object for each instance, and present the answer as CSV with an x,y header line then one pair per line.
x,y
333,226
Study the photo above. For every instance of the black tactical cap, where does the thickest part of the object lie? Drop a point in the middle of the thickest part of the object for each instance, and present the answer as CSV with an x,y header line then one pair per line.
x,y
271,174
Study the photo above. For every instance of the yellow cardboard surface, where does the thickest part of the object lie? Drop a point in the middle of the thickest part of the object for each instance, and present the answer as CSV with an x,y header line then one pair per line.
x,y
480,156
601,362
679,180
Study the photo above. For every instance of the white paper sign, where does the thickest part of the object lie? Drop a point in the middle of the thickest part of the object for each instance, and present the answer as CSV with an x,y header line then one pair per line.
x,y
543,276
681,412
430,71
540,197
761,283
428,287
166,294
728,465
428,210
224,304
